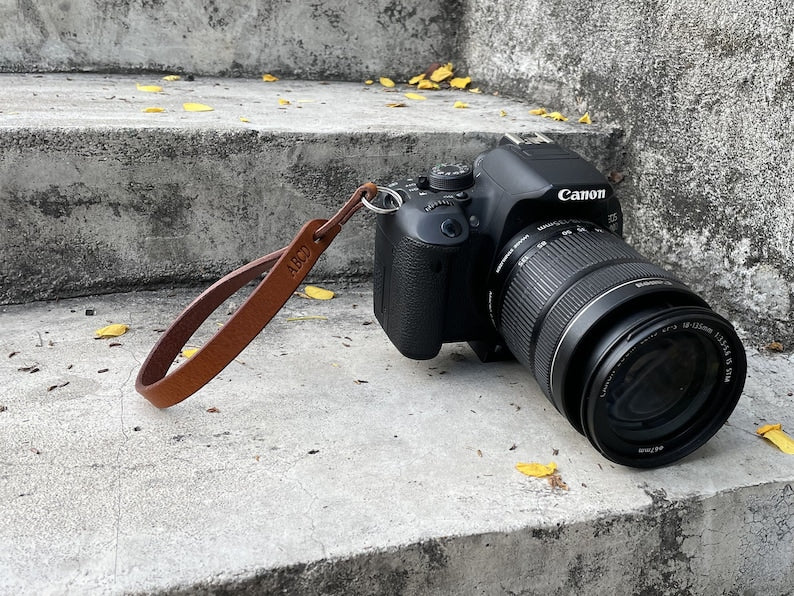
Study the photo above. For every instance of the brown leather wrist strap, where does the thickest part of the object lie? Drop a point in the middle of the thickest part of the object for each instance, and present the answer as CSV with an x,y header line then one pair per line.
x,y
292,264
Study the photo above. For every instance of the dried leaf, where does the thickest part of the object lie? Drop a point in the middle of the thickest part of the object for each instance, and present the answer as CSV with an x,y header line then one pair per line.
x,y
555,481
386,82
442,73
585,119
113,330
417,78
538,112
425,84
460,104
283,102
149,88
774,433
196,107
395,104
556,116
536,470
318,293
269,78
475,90
171,78
415,96
188,352
774,346
153,110
460,82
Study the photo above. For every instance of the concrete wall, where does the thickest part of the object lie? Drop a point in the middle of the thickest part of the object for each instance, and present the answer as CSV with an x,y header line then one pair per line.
x,y
703,91
329,39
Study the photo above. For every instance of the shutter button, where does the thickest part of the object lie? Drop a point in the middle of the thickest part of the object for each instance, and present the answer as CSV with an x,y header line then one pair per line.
x,y
451,228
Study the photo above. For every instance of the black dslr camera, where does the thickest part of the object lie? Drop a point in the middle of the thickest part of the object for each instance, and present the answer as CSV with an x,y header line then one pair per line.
x,y
521,254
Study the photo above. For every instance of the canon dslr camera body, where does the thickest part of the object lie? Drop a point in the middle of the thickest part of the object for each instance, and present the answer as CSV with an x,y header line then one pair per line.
x,y
521,254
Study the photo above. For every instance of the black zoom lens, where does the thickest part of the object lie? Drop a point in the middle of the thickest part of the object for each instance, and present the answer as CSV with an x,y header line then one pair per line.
x,y
635,360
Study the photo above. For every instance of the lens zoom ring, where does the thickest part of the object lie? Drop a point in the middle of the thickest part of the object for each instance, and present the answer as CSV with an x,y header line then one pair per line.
x,y
566,270
539,276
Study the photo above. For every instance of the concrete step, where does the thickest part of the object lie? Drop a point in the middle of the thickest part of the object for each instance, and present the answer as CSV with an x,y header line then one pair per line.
x,y
361,473
340,40
98,196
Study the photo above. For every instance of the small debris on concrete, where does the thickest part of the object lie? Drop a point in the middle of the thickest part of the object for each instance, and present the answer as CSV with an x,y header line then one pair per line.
x,y
58,386
3,408
555,481
213,410
774,346
103,370
313,451
89,312
33,368
12,354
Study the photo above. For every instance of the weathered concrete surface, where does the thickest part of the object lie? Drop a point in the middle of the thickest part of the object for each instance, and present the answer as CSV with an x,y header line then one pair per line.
x,y
330,39
97,196
361,473
704,94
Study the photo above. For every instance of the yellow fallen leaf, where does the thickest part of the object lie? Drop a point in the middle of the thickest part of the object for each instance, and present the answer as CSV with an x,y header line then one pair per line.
x,y
416,79
386,82
585,119
171,78
774,433
307,318
538,112
269,78
442,73
556,116
188,352
460,82
113,330
415,96
460,104
475,90
368,82
149,88
536,470
502,113
196,107
244,119
318,293
153,110
425,84
283,102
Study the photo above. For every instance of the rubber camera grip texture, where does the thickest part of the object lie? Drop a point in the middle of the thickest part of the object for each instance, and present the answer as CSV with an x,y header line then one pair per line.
x,y
417,300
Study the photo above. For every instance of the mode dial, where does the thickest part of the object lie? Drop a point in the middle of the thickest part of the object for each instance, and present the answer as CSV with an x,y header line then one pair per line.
x,y
451,176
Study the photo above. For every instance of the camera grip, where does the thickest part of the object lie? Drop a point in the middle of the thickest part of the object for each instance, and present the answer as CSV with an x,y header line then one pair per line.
x,y
411,290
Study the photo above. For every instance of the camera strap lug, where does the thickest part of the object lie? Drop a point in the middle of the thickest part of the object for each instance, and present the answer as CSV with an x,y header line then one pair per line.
x,y
286,269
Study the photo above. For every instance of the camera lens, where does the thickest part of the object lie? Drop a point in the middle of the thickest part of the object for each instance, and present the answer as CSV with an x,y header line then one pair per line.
x,y
634,360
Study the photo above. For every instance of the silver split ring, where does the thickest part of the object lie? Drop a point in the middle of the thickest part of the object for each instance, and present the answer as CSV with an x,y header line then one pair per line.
x,y
396,201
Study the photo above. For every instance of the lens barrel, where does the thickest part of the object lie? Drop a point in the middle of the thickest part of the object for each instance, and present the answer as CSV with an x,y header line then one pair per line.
x,y
626,352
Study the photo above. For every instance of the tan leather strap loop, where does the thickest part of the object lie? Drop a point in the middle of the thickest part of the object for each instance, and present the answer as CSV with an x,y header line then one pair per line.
x,y
292,264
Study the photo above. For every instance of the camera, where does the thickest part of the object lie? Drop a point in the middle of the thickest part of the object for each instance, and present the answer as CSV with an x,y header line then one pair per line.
x,y
521,255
